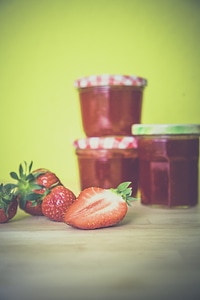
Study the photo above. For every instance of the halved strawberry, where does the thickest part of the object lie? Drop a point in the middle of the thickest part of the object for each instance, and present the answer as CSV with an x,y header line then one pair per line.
x,y
8,202
56,203
97,207
32,185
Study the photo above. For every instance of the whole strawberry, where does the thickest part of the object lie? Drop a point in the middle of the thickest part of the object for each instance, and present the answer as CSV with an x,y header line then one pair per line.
x,y
8,202
31,186
97,207
57,202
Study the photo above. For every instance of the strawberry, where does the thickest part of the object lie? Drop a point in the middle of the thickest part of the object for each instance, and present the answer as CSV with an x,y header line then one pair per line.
x,y
56,203
31,186
8,202
97,207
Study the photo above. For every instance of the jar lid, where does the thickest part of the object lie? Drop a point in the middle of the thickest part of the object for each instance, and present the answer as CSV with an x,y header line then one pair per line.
x,y
106,79
116,142
148,129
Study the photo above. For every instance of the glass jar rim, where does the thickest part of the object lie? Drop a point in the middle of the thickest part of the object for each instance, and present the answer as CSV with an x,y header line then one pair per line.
x,y
110,80
107,142
171,129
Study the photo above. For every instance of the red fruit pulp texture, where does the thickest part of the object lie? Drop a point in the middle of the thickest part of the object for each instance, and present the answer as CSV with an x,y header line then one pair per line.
x,y
96,208
169,171
110,110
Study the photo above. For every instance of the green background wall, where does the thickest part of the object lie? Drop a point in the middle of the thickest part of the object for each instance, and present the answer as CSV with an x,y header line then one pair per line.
x,y
45,45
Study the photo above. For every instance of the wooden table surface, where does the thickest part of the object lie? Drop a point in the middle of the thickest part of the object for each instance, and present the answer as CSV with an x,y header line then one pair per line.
x,y
153,254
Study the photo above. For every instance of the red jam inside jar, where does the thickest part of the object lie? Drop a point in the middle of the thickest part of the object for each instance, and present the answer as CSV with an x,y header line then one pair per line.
x,y
110,104
168,160
104,165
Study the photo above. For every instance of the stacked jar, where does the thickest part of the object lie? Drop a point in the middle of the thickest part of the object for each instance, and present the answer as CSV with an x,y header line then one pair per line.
x,y
110,105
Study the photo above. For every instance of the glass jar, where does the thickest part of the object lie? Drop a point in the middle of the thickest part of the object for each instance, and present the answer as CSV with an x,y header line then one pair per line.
x,y
110,104
168,163
106,162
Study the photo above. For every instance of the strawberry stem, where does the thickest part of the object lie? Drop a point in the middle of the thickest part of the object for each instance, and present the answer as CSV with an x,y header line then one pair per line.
x,y
125,192
26,184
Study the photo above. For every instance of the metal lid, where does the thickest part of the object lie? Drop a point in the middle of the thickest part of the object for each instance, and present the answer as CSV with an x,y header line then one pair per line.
x,y
117,142
106,79
151,129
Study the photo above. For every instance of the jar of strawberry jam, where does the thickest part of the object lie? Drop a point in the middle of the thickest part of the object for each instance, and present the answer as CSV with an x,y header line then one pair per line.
x,y
168,159
107,161
110,104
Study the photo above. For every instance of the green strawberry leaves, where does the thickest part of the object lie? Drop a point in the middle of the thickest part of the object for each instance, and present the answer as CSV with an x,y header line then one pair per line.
x,y
14,175
25,173
6,196
125,192
26,184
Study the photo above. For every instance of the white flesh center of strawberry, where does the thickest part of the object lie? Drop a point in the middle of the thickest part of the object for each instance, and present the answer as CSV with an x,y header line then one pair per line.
x,y
102,202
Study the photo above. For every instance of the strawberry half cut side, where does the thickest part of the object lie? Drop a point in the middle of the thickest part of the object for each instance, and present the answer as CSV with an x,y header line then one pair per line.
x,y
97,207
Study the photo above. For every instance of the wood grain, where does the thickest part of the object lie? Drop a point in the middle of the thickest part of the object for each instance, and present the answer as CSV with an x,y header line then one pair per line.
x,y
153,253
